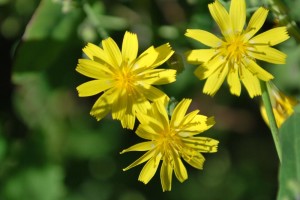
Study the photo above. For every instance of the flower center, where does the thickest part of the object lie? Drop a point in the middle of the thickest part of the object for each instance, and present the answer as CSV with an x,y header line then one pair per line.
x,y
125,78
235,49
169,141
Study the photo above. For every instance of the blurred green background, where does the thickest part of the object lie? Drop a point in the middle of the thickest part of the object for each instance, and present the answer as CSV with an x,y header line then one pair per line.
x,y
52,149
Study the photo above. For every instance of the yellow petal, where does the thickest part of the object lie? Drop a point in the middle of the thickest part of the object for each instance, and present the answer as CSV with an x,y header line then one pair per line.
x,y
282,105
188,118
128,120
207,69
93,87
93,69
148,155
166,175
141,104
146,131
256,70
196,160
233,81
122,109
103,105
95,53
251,82
204,37
214,81
179,168
158,76
145,60
268,54
221,16
160,113
202,144
164,53
199,56
150,124
149,169
112,51
119,107
271,37
151,92
199,124
192,126
256,22
143,146
237,14
179,112
129,47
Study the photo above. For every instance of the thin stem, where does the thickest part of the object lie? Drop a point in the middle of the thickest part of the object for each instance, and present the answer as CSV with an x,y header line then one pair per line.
x,y
271,117
94,20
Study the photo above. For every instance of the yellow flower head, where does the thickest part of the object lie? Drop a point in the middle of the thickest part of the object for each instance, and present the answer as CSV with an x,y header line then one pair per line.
x,y
125,80
283,105
235,55
171,140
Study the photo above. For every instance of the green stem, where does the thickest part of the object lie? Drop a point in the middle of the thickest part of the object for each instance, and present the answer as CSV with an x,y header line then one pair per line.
x,y
271,117
281,12
94,20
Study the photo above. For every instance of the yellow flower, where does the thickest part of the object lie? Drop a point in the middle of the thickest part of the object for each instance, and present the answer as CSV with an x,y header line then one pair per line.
x,y
171,140
235,55
282,105
125,80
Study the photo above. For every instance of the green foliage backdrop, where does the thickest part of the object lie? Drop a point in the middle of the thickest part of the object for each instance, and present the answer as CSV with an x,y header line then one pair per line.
x,y
52,149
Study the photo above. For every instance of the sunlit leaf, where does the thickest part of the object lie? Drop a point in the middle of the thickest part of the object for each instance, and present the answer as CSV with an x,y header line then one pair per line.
x,y
289,177
46,37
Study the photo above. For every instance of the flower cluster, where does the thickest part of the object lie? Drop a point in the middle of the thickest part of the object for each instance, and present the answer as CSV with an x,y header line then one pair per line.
x,y
171,140
236,53
282,105
126,84
125,80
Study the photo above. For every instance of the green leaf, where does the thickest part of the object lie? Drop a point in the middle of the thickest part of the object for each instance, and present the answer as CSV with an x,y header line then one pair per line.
x,y
47,37
289,177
